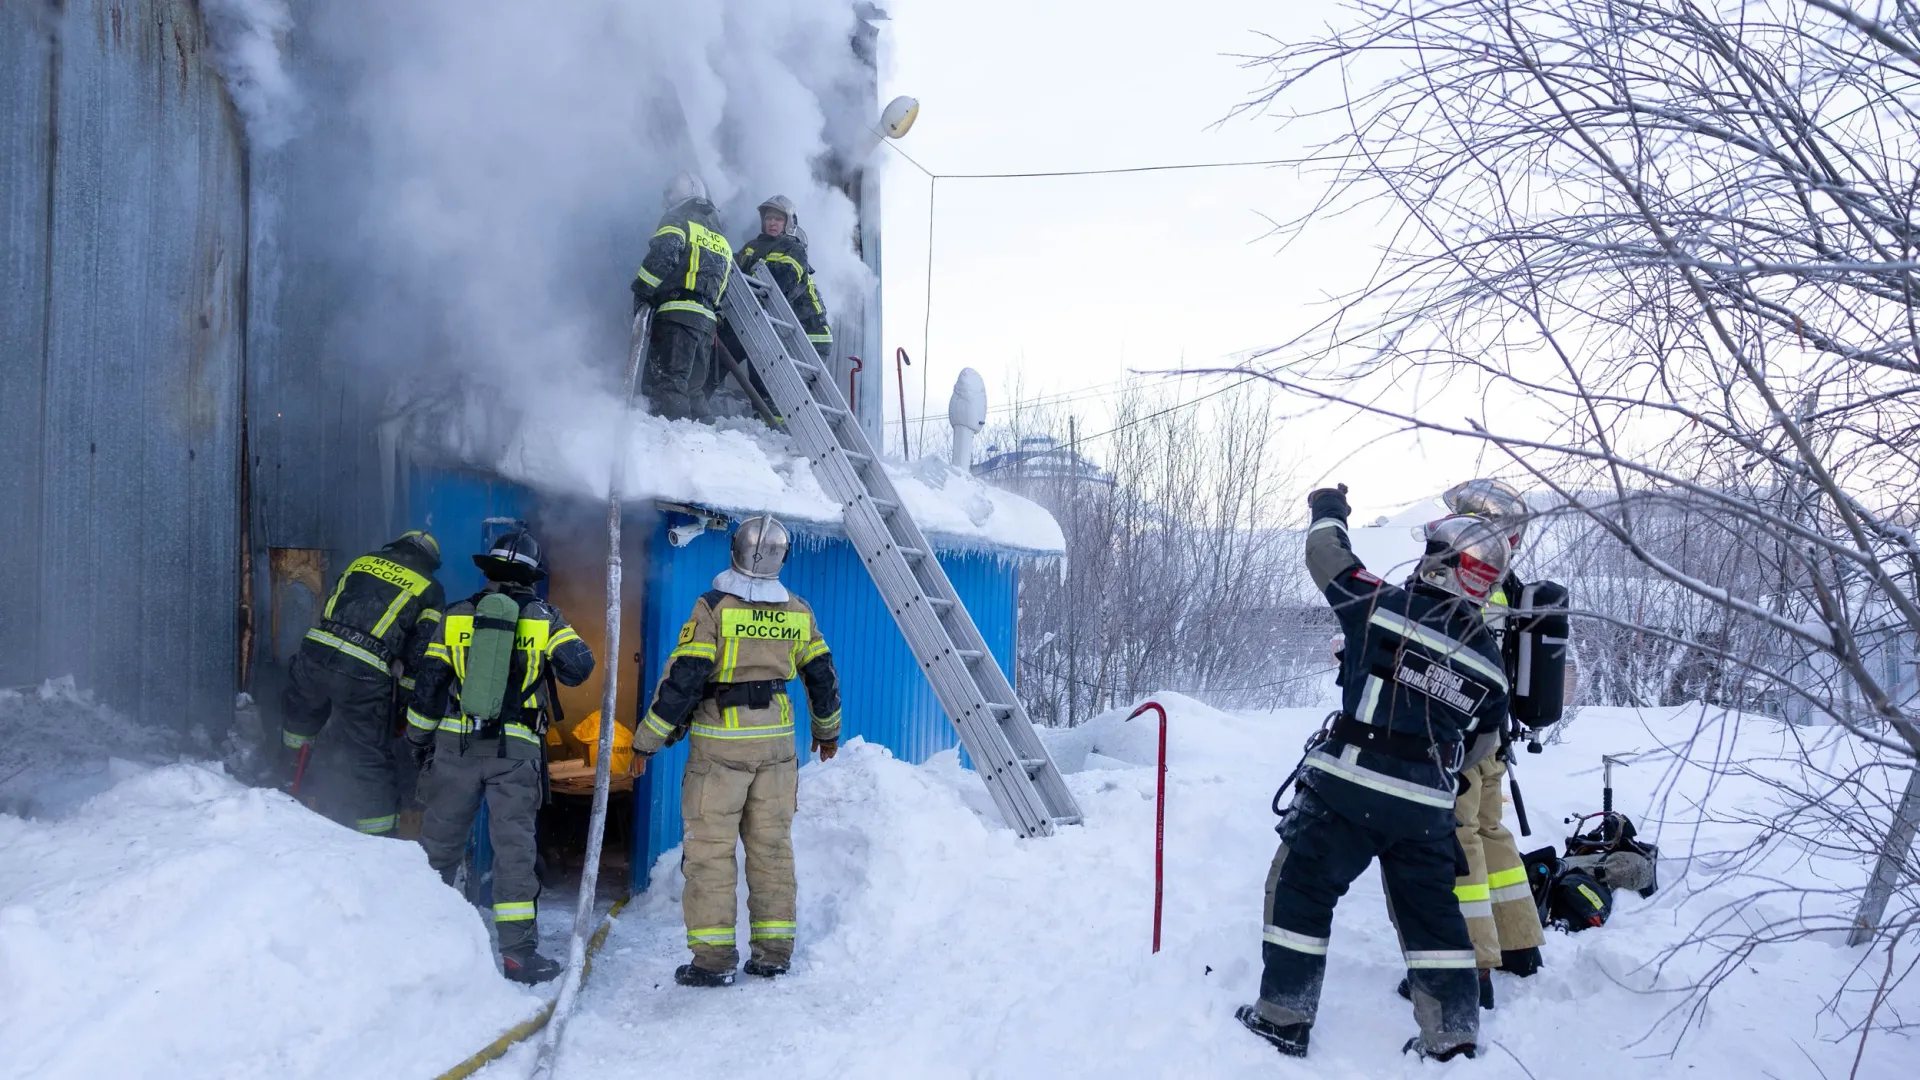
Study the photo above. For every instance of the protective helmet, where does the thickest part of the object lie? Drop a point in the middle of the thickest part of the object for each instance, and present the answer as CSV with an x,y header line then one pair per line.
x,y
780,204
685,186
422,541
797,233
1495,500
515,557
1466,556
760,547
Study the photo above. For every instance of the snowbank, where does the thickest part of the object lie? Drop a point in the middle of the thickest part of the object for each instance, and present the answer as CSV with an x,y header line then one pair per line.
x,y
742,467
935,944
180,925
60,748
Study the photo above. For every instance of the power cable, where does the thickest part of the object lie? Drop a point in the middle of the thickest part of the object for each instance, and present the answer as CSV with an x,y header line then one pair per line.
x,y
933,184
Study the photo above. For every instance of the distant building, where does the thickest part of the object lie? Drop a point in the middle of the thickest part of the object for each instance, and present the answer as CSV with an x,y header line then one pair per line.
x,y
1039,458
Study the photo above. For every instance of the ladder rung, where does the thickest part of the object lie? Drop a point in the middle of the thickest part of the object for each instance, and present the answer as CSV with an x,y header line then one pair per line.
x,y
913,553
938,604
854,454
970,655
886,506
778,321
1033,764
1004,710
1068,819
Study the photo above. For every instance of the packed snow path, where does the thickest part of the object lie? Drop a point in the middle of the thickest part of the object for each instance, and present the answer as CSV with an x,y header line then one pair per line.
x,y
935,944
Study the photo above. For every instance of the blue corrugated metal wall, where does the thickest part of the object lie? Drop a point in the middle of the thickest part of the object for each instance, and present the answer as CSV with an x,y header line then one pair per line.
x,y
885,698
123,241
453,506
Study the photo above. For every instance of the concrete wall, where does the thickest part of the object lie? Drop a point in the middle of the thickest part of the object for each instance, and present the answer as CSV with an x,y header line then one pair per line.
x,y
123,267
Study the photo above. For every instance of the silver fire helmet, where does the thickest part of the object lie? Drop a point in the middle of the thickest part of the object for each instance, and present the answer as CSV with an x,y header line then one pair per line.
x,y
1466,556
760,547
782,205
685,186
1495,500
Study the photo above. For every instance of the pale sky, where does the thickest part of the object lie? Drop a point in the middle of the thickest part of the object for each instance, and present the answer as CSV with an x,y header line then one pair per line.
x,y
1076,280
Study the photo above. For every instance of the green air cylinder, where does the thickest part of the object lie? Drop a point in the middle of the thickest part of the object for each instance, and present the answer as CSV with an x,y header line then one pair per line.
x,y
1540,627
490,656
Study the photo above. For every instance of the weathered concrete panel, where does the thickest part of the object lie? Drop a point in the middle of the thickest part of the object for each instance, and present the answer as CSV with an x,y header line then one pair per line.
x,y
26,146
144,337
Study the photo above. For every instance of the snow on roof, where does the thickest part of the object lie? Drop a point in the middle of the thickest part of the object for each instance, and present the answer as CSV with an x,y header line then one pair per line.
x,y
740,467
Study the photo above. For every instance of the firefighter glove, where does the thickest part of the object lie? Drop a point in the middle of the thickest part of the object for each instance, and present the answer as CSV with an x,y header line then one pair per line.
x,y
826,748
639,766
1329,503
420,752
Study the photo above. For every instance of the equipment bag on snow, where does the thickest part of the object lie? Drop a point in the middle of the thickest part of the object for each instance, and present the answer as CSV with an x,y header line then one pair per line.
x,y
1610,852
1566,897
1537,654
483,690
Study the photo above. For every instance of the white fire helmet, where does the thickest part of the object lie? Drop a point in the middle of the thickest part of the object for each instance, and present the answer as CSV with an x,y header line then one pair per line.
x,y
1466,556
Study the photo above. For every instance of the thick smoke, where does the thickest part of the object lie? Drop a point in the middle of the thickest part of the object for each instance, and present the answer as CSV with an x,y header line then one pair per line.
x,y
247,37
482,176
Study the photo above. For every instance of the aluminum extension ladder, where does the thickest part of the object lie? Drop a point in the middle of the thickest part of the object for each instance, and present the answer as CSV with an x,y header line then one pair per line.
x,y
970,685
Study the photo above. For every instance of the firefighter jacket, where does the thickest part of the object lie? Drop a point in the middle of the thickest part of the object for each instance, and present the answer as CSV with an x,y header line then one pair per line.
x,y
1421,678
384,608
541,638
687,267
726,680
786,259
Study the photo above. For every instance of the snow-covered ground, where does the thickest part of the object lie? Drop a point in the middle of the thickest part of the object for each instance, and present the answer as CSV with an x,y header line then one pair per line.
x,y
934,944
180,925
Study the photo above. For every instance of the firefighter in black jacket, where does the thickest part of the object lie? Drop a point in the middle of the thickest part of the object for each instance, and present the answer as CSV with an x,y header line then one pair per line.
x,y
499,759
373,630
783,247
1421,677
683,277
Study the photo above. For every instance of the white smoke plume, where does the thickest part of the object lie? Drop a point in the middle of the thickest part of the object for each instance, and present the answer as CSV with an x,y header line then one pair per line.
x,y
494,167
247,37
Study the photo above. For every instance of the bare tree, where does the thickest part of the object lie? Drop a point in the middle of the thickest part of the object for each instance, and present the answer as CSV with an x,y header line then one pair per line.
x,y
1663,256
1181,571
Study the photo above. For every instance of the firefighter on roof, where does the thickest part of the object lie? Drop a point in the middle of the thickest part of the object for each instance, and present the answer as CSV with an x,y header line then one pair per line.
x,y
683,277
783,247
1421,677
372,632
476,724
726,687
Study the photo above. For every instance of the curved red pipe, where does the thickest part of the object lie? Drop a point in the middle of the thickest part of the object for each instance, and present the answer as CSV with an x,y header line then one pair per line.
x,y
1159,820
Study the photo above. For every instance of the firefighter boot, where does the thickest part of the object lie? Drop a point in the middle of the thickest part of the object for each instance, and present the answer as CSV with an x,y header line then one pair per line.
x,y
695,975
1419,1049
524,965
767,970
1520,962
1289,1039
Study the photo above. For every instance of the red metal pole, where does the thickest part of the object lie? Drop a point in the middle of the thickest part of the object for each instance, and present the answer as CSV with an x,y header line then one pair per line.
x,y
900,376
300,769
1159,821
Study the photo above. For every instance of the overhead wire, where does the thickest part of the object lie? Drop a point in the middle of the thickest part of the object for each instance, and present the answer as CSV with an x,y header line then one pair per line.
x,y
933,182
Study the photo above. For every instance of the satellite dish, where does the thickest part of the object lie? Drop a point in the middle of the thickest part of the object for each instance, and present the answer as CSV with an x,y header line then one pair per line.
x,y
898,117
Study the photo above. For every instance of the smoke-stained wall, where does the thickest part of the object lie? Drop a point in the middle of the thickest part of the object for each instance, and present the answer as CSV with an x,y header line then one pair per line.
x,y
123,254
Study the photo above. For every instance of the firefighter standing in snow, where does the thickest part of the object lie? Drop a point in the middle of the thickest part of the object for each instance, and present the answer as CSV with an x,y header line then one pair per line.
x,y
726,685
1494,895
1421,677
498,758
783,247
683,277
375,627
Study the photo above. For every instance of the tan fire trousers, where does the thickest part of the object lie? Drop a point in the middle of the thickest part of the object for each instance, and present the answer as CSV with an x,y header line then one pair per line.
x,y
728,804
1494,895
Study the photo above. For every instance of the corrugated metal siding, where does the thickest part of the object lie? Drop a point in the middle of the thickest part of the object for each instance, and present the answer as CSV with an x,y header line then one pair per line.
x,y
139,396
26,152
885,698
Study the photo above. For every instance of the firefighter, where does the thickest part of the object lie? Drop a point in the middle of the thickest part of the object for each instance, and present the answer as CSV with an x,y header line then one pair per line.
x,y
1502,917
726,685
372,632
683,277
783,247
466,758
1421,677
